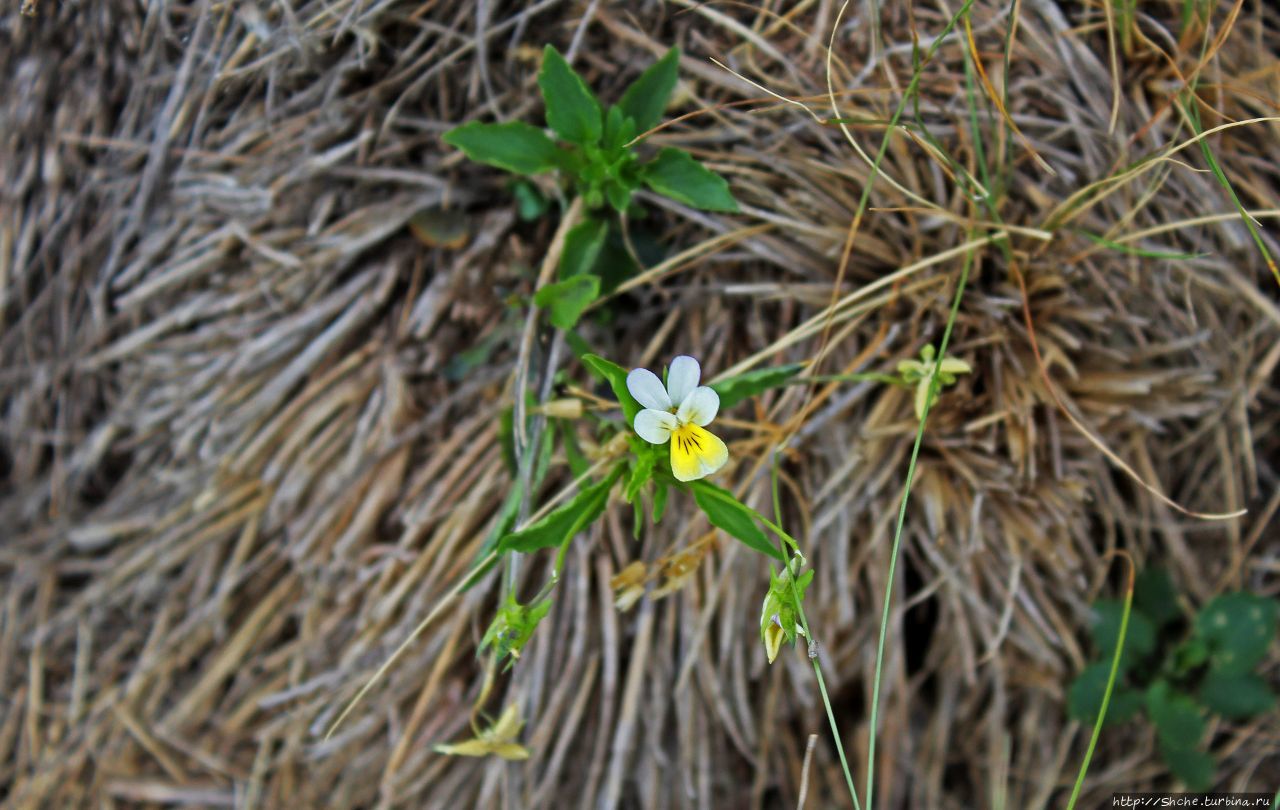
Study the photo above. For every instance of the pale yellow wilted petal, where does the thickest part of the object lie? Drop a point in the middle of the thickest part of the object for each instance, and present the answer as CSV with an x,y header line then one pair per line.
x,y
906,366
773,637
494,741
954,365
922,396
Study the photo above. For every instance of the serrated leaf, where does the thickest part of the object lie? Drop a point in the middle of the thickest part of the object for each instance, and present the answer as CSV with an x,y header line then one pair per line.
x,y
514,146
1178,720
1084,698
646,99
1236,696
1237,628
565,301
738,520
1194,768
572,109
562,524
1140,639
616,376
582,247
735,389
1155,596
675,174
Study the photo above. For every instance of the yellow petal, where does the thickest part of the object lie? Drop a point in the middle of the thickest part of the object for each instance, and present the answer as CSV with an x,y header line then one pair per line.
x,y
511,751
508,725
627,597
773,636
470,748
696,453
485,748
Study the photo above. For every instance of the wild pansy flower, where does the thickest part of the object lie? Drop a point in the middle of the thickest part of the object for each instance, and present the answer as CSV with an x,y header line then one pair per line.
x,y
677,412
920,374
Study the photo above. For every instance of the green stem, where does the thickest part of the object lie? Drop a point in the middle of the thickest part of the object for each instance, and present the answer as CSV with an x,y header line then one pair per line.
x,y
808,634
1106,699
934,385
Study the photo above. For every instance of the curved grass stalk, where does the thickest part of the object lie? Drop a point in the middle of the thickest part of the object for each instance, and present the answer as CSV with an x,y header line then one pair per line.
x,y
934,386
1111,681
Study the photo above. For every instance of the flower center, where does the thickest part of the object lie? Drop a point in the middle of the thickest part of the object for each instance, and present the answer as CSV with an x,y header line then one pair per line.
x,y
686,438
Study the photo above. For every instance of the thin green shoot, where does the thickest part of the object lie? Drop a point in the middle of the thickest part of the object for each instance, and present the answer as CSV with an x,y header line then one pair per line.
x,y
934,387
1106,695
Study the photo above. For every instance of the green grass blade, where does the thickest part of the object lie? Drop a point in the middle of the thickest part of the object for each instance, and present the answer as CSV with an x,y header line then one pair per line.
x,y
1106,695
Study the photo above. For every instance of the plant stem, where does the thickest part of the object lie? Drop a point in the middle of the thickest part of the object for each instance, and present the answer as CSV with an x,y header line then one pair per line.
x,y
804,622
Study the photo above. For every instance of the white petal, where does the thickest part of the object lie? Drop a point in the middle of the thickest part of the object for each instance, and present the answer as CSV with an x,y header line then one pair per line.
x,y
700,406
682,378
655,426
648,390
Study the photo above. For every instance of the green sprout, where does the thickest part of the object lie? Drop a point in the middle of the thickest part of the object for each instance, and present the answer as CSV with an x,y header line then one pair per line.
x,y
920,373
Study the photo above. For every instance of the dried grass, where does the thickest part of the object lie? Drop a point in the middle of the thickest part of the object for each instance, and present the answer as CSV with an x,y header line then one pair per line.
x,y
239,468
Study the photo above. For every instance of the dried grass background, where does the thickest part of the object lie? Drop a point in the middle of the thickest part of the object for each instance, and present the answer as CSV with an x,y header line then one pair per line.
x,y
236,472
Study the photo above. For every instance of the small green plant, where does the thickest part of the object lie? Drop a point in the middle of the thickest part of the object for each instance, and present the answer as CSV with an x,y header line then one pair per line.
x,y
1177,672
595,154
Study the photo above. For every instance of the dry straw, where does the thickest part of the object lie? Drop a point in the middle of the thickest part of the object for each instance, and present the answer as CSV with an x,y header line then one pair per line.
x,y
245,454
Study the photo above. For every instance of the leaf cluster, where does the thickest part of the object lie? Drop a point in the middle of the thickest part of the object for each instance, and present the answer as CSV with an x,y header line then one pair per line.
x,y
594,149
1177,672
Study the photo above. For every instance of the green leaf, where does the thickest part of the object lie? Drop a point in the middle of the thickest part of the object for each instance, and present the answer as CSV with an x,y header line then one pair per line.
x,y
512,627
567,300
660,492
641,473
562,524
530,204
619,196
1178,720
581,247
514,146
646,99
506,516
615,264
1139,641
1236,696
1084,698
675,174
1189,655
735,389
619,129
616,376
1155,596
578,463
572,109
727,513
1194,768
1238,628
